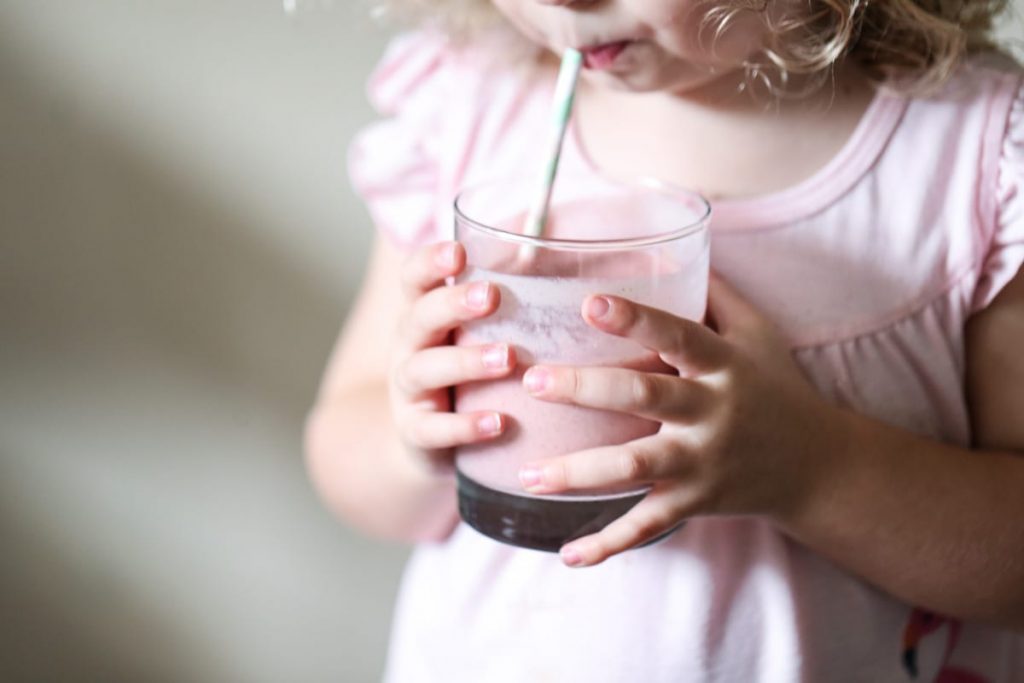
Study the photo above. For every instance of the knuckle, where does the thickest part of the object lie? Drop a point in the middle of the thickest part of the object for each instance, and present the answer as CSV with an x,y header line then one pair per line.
x,y
634,466
600,548
413,271
625,315
641,528
441,257
676,514
681,338
430,317
645,390
557,474
574,382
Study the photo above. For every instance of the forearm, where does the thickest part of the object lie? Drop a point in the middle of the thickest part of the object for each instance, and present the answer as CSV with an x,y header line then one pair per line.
x,y
363,473
937,526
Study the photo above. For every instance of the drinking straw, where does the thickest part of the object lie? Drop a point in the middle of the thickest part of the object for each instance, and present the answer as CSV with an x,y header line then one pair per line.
x,y
565,93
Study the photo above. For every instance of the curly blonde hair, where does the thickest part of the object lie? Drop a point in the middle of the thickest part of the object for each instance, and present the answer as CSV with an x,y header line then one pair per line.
x,y
911,44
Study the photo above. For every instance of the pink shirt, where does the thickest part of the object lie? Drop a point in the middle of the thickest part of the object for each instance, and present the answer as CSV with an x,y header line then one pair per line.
x,y
871,267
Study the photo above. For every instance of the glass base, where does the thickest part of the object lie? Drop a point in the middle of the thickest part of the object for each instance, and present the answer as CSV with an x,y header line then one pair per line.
x,y
533,522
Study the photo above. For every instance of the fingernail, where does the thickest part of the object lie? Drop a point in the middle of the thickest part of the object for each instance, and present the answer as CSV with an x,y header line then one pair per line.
x,y
570,556
477,295
489,424
495,357
598,307
536,380
445,257
529,477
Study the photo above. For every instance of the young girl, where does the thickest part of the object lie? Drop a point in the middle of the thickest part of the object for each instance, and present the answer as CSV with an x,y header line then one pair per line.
x,y
844,439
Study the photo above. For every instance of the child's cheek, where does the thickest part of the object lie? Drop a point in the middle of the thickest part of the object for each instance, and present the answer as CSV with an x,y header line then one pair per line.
x,y
690,29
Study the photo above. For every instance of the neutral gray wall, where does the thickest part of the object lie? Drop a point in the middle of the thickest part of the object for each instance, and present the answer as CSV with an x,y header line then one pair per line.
x,y
178,246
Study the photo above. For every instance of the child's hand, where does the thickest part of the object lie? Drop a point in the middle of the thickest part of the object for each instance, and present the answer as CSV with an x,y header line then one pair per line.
x,y
425,365
742,430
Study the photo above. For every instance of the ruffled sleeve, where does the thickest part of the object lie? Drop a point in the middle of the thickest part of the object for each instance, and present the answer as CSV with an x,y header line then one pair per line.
x,y
1004,251
395,163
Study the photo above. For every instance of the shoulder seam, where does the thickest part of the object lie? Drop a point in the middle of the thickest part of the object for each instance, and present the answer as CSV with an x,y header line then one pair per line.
x,y
993,141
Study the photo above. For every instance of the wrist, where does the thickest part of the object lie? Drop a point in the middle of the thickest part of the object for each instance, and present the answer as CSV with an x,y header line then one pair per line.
x,y
830,458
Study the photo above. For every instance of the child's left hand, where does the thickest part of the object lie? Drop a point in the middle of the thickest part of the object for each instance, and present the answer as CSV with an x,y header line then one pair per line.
x,y
743,432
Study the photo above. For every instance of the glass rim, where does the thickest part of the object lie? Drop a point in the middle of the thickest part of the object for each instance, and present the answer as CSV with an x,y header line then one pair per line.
x,y
696,225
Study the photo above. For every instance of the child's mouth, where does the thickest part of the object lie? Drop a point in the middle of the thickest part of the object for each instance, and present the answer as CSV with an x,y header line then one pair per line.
x,y
600,57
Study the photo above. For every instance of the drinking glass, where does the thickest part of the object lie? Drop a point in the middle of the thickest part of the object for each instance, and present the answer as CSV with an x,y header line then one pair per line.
x,y
643,240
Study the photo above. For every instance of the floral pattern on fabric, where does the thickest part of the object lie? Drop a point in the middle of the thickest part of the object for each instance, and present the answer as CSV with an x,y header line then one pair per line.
x,y
922,624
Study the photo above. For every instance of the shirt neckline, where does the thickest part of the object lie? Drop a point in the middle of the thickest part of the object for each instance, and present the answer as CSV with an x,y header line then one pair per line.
x,y
811,195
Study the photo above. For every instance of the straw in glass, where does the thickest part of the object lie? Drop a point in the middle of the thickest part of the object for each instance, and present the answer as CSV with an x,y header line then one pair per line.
x,y
565,93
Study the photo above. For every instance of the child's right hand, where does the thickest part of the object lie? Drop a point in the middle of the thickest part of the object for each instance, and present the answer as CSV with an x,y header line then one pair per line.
x,y
425,364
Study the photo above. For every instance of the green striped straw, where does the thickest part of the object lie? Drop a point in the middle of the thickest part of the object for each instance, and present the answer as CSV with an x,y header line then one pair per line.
x,y
565,93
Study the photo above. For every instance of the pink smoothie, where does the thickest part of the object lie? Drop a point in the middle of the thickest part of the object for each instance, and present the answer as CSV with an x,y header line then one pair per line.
x,y
539,429
540,317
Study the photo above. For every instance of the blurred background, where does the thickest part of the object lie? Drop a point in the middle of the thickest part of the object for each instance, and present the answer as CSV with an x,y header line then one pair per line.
x,y
178,247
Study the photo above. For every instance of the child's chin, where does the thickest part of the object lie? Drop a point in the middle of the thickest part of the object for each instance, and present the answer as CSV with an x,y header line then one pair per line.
x,y
722,83
636,82
627,81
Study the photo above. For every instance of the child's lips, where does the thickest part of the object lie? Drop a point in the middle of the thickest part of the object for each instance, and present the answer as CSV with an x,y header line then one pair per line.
x,y
603,56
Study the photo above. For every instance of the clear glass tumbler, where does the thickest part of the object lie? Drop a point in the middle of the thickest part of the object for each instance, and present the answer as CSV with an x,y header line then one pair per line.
x,y
645,241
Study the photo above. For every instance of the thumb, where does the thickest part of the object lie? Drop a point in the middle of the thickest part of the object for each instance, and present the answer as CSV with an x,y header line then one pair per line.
x,y
730,311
